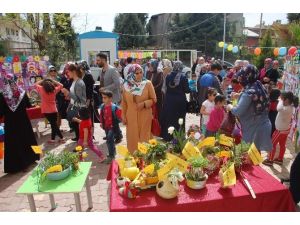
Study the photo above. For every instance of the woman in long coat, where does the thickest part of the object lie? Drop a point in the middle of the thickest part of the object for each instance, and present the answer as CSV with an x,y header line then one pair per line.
x,y
19,136
156,76
138,98
175,103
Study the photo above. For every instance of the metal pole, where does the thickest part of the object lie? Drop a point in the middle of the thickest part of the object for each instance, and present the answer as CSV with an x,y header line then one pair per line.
x,y
224,34
260,25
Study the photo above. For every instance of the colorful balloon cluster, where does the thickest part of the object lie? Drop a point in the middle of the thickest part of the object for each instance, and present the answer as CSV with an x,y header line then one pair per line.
x,y
229,47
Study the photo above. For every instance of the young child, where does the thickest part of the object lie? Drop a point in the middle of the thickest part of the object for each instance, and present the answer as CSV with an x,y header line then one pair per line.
x,y
274,95
48,89
216,117
85,132
193,83
110,117
282,123
206,108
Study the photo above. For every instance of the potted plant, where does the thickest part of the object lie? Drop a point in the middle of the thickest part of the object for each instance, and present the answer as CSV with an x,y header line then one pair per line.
x,y
209,153
196,177
179,139
156,153
58,166
241,157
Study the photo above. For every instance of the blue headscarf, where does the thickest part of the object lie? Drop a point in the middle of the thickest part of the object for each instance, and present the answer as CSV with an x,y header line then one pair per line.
x,y
154,64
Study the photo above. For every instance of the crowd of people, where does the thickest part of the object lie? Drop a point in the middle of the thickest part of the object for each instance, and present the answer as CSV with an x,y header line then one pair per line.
x,y
132,92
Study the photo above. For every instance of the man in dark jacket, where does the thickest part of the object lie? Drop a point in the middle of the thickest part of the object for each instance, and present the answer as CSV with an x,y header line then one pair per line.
x,y
209,80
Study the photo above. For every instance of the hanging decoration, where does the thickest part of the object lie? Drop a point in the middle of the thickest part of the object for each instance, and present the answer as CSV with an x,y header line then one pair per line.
x,y
230,47
257,51
292,51
221,44
282,51
235,49
276,51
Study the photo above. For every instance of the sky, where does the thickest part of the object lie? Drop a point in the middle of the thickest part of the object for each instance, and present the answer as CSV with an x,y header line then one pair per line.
x,y
88,22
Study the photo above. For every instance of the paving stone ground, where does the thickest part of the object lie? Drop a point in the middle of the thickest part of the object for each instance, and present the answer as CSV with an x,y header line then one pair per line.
x,y
9,183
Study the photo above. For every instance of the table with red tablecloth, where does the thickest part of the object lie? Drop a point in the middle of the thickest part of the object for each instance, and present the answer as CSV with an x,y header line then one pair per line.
x,y
271,196
33,113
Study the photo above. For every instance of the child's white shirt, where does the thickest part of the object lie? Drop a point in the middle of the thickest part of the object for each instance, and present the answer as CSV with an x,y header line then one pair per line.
x,y
209,106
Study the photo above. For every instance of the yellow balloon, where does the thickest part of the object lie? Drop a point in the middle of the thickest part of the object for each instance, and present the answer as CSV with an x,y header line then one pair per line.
x,y
230,47
221,44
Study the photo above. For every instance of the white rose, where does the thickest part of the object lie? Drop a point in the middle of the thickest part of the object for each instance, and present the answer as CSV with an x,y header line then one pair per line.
x,y
180,121
171,130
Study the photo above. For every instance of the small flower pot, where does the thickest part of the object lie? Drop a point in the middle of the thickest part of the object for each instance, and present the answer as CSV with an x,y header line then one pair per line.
x,y
197,184
121,181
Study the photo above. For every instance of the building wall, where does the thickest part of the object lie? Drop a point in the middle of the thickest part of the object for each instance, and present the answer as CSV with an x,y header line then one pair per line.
x,y
97,45
239,22
18,42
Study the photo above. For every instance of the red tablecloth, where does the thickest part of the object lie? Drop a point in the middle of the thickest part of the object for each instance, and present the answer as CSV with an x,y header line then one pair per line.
x,y
33,113
271,196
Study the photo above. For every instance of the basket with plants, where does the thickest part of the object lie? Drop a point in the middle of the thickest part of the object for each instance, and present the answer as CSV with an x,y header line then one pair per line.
x,y
156,153
57,166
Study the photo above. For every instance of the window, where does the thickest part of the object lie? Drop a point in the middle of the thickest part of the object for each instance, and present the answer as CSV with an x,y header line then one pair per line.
x,y
17,33
12,32
7,31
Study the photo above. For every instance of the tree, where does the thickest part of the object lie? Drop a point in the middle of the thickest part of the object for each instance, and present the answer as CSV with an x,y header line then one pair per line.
x,y
266,51
293,17
52,33
288,34
132,24
202,37
3,48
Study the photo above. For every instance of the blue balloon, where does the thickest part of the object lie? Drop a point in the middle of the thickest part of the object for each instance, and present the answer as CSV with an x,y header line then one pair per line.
x,y
1,130
282,51
235,49
225,46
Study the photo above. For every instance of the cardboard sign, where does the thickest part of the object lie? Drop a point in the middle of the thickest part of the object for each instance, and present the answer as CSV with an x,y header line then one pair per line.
x,y
142,148
210,141
37,149
229,177
181,164
163,172
122,150
226,141
254,155
190,151
149,169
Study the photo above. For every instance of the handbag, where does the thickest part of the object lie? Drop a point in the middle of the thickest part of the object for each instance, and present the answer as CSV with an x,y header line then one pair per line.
x,y
73,109
155,127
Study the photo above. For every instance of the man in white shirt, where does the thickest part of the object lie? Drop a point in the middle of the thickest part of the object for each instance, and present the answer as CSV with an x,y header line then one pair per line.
x,y
129,64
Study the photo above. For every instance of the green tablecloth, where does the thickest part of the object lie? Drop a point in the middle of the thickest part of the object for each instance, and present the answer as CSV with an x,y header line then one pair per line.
x,y
72,184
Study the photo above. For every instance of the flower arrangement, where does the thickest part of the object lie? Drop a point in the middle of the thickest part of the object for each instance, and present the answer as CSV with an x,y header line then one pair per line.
x,y
194,134
157,152
179,138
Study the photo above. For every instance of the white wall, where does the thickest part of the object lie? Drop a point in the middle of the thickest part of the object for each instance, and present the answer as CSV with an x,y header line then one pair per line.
x,y
98,44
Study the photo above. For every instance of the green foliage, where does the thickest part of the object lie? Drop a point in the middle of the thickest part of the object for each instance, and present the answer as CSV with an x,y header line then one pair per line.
x,y
156,153
198,162
265,52
202,37
64,158
3,48
196,172
239,152
131,23
293,17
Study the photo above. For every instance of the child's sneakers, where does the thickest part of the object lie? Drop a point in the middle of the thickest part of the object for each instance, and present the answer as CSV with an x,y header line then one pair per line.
x,y
51,142
102,158
278,162
268,162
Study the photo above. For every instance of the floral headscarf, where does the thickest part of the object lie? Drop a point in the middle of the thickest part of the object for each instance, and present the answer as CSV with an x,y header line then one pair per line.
x,y
253,87
12,93
131,85
177,68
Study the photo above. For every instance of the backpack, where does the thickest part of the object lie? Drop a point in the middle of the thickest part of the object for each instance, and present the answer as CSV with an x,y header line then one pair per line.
x,y
114,107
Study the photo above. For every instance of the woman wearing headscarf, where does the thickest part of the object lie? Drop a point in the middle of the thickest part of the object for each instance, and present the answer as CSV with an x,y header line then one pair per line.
x,y
137,100
252,110
175,103
166,67
155,75
19,136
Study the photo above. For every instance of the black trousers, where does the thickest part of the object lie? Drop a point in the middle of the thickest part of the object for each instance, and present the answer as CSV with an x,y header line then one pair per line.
x,y
52,118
